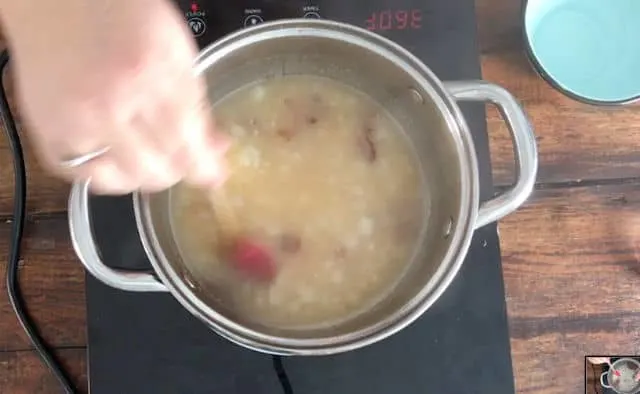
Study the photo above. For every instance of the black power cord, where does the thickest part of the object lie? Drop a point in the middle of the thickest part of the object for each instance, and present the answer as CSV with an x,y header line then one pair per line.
x,y
20,198
282,375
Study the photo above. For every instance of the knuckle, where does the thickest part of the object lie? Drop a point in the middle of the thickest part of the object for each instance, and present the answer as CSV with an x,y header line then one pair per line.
x,y
157,185
102,188
160,169
107,178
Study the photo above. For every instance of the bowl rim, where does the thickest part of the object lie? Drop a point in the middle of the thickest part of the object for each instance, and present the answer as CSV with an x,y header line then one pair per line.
x,y
540,69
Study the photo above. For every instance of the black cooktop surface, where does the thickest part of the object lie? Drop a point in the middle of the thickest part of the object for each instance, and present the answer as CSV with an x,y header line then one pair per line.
x,y
147,343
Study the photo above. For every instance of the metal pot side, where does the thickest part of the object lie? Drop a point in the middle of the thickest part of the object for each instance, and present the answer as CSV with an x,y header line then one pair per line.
x,y
428,111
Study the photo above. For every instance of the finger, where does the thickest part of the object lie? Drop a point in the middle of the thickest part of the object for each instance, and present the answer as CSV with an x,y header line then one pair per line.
x,y
160,169
204,147
139,161
53,154
159,132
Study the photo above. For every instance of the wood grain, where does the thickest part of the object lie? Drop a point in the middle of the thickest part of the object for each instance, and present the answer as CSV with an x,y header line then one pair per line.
x,y
499,25
576,142
23,373
46,194
592,377
52,282
571,264
554,363
586,241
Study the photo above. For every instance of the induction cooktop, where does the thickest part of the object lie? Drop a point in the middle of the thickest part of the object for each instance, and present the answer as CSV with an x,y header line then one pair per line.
x,y
147,343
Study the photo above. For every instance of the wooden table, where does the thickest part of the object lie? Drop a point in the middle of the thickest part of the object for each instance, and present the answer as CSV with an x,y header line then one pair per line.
x,y
571,256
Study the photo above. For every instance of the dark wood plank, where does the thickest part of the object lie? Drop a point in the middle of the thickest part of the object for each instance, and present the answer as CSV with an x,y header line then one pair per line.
x,y
572,256
554,363
52,281
46,194
575,141
592,377
571,268
23,373
499,25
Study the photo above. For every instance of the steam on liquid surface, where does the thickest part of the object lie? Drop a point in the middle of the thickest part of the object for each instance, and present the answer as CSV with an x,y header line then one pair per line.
x,y
324,179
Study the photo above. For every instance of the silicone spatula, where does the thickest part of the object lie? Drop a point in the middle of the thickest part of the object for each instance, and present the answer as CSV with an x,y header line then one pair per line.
x,y
241,251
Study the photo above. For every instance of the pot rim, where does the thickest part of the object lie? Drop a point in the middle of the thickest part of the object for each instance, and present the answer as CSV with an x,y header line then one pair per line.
x,y
626,359
460,237
613,367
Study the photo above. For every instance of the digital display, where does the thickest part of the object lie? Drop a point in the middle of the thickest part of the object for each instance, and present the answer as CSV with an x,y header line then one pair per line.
x,y
407,19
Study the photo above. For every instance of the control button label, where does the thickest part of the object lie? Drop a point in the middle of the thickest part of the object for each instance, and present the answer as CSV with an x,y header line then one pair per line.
x,y
197,26
252,20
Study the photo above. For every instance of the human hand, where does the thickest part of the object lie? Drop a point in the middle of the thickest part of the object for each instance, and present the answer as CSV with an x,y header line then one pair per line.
x,y
599,360
116,74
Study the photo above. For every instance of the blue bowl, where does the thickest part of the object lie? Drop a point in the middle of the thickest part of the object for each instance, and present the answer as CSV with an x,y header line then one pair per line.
x,y
587,49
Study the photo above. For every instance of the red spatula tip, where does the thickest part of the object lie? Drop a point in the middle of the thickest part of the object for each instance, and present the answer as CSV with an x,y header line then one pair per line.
x,y
252,259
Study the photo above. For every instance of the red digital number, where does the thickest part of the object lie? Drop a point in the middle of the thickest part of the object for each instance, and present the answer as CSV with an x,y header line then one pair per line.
x,y
416,19
402,19
385,20
394,20
370,23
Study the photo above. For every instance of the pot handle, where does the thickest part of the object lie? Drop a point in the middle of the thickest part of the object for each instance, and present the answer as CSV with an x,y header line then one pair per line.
x,y
602,383
85,247
524,146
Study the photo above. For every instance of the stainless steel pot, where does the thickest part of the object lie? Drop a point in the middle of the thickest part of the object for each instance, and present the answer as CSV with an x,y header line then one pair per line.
x,y
625,382
427,110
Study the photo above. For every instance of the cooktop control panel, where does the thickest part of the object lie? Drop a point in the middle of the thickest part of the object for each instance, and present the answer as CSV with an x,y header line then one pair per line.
x,y
210,19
